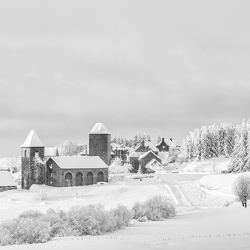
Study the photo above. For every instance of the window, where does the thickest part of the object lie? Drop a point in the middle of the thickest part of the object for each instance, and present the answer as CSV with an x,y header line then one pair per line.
x,y
36,154
25,153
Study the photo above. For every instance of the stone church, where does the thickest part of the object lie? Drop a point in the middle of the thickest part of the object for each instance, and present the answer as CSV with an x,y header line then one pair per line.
x,y
65,171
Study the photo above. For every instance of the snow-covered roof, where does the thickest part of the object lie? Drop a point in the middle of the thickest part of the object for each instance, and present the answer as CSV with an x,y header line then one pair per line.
x,y
145,154
136,154
99,128
32,140
67,162
50,151
169,142
6,179
153,161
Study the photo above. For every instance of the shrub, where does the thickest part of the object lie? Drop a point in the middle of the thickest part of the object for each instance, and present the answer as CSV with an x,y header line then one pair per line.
x,y
58,224
92,220
24,231
122,216
33,214
139,210
155,208
159,207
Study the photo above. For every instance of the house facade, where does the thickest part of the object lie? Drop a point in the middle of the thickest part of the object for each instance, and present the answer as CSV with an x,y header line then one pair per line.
x,y
67,171
147,158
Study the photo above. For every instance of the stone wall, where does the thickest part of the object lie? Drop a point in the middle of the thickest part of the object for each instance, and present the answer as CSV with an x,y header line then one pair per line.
x,y
32,172
7,188
58,174
84,172
100,145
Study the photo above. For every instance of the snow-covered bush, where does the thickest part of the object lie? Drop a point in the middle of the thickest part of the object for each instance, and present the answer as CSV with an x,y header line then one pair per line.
x,y
241,188
58,224
156,208
24,230
116,167
139,210
33,214
33,226
122,216
90,220
10,163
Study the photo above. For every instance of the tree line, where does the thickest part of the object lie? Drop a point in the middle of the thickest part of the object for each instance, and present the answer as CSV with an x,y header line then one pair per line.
x,y
225,140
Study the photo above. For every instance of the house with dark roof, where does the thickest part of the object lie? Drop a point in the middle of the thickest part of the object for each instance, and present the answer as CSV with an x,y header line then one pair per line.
x,y
142,149
162,146
67,171
145,160
7,181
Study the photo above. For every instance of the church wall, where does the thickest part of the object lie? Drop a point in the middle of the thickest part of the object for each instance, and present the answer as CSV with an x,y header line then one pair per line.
x,y
100,145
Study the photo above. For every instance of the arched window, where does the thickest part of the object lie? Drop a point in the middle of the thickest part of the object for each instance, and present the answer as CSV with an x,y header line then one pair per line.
x,y
36,154
79,179
25,153
100,177
89,180
68,180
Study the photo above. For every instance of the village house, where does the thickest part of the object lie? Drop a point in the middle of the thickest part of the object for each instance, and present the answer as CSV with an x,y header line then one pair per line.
x,y
140,150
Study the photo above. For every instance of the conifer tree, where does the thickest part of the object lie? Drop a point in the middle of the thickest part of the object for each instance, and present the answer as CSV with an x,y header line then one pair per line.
x,y
158,139
239,156
205,143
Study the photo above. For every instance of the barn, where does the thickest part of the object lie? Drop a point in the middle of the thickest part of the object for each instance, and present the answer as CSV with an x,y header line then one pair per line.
x,y
7,181
67,171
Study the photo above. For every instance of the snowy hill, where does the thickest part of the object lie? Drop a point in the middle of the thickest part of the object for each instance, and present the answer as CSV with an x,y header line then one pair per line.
x,y
214,165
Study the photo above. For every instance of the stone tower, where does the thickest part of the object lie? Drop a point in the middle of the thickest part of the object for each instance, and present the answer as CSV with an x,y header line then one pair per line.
x,y
100,143
32,155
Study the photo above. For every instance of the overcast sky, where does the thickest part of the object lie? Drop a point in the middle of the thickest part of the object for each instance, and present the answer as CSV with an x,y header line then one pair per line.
x,y
160,67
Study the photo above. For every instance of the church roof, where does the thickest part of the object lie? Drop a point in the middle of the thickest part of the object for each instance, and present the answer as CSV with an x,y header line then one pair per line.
x,y
32,140
69,162
6,179
99,128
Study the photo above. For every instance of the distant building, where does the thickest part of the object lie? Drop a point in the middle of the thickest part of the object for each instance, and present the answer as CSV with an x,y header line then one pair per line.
x,y
147,158
142,149
41,166
7,181
119,151
162,146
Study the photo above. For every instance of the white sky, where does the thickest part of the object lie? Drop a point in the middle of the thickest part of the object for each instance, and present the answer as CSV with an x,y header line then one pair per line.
x,y
160,67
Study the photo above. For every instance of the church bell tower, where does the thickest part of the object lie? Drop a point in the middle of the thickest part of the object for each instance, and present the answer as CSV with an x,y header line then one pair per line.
x,y
32,155
100,143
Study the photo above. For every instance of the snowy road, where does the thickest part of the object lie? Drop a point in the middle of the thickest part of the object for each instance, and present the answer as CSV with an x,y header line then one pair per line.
x,y
172,181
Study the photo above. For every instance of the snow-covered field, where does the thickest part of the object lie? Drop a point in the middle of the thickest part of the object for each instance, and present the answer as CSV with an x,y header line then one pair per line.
x,y
207,215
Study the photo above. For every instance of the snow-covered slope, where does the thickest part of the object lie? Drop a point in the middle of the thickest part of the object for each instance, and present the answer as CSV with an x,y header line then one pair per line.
x,y
214,165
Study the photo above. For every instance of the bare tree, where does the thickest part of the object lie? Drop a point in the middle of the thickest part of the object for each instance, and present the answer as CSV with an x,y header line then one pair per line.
x,y
241,189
